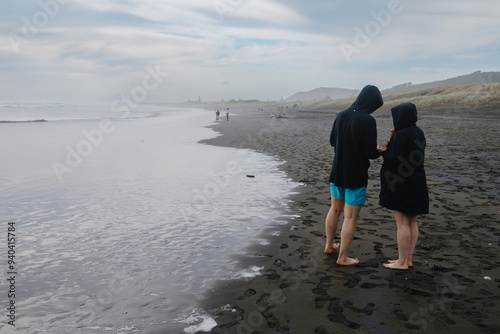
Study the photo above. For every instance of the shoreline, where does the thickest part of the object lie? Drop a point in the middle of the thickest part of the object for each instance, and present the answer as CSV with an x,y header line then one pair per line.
x,y
302,290
117,236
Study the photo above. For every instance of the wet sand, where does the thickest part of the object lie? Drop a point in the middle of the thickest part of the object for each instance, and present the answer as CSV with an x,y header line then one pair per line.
x,y
302,290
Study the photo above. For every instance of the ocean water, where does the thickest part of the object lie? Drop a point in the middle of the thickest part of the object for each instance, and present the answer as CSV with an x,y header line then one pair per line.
x,y
122,221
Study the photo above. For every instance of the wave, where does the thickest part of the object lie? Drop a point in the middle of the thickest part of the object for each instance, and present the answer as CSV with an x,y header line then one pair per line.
x,y
39,105
35,120
57,112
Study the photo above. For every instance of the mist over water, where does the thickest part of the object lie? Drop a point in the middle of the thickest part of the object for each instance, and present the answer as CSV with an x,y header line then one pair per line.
x,y
121,224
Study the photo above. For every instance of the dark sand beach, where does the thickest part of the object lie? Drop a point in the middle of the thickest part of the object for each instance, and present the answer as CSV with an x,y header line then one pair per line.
x,y
454,284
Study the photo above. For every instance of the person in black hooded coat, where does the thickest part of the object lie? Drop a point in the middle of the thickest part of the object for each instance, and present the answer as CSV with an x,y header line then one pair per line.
x,y
403,182
354,138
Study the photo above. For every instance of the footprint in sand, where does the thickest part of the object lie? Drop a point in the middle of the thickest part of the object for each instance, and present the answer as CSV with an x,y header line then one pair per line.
x,y
249,293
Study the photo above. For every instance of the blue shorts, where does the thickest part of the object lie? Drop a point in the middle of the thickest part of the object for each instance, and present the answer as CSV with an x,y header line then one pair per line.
x,y
354,197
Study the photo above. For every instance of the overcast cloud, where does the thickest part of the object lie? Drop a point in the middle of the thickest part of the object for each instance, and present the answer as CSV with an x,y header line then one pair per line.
x,y
90,51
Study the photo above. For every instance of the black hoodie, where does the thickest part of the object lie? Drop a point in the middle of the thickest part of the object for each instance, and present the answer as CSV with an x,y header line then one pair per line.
x,y
402,176
354,137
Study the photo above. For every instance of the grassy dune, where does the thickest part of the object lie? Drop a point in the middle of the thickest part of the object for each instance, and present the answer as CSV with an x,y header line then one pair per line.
x,y
475,96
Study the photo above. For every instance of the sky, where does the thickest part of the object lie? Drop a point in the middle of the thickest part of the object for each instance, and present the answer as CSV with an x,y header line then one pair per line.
x,y
96,51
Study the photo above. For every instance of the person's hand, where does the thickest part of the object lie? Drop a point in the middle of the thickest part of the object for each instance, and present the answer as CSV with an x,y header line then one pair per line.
x,y
392,132
381,148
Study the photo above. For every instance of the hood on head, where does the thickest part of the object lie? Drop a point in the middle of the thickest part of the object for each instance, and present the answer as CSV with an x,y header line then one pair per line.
x,y
404,115
369,99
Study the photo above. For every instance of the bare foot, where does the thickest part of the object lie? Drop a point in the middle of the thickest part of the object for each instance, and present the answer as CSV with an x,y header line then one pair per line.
x,y
395,265
410,263
329,250
348,262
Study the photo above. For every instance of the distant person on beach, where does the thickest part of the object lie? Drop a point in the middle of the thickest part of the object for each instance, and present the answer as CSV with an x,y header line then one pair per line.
x,y
354,138
403,182
217,114
227,114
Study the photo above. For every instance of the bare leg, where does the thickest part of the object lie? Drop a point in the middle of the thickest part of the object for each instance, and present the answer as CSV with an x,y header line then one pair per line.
x,y
404,237
331,224
351,214
413,239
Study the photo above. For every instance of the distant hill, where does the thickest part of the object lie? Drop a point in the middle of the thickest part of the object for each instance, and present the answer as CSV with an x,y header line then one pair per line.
x,y
468,79
322,93
477,96
325,93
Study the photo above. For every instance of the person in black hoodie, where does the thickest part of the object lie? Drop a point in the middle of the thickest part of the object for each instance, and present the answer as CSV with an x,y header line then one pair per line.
x,y
354,138
403,181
